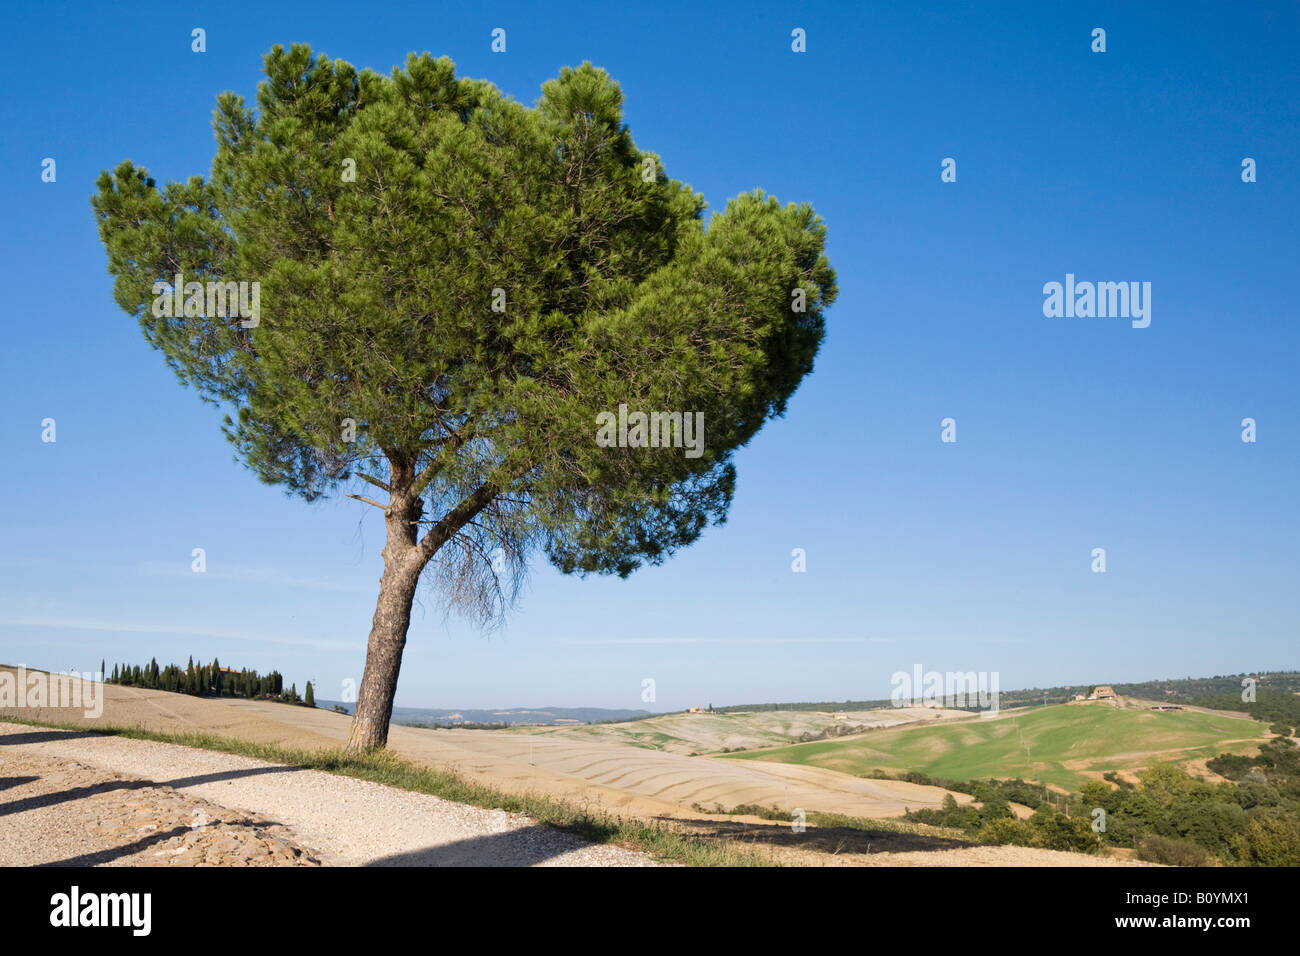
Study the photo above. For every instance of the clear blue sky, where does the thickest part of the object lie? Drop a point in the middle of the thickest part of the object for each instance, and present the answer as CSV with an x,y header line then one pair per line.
x,y
1072,434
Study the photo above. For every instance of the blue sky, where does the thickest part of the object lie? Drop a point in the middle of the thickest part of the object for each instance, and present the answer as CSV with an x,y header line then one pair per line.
x,y
1072,434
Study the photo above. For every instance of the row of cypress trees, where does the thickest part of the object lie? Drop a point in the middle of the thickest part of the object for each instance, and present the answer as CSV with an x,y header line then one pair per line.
x,y
208,680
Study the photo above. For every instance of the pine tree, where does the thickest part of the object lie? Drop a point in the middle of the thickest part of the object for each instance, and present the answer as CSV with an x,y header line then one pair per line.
x,y
308,697
458,323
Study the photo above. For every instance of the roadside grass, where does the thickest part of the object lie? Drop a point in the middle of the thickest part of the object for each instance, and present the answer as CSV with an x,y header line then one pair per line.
x,y
818,818
662,841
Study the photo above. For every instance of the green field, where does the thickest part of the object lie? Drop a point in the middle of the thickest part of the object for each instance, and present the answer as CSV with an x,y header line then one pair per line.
x,y
1059,744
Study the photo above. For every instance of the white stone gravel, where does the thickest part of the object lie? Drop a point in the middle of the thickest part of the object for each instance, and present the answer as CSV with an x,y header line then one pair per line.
x,y
345,821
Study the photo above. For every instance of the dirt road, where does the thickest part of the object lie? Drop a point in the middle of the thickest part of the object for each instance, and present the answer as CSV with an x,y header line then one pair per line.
x,y
79,799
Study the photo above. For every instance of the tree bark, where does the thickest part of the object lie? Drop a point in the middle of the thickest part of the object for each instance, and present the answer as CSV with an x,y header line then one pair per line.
x,y
402,567
384,649
405,557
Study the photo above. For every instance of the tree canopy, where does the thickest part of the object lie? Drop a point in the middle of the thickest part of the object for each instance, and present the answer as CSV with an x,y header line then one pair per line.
x,y
453,286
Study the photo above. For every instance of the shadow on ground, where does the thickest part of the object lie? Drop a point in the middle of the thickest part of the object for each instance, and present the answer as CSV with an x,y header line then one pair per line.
x,y
44,736
828,840
528,846
78,793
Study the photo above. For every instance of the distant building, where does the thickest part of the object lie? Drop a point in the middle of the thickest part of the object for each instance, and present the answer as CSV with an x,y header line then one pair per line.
x,y
696,710
1103,692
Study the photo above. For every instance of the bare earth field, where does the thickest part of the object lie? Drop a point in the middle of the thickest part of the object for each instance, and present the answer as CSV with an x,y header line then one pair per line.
x,y
588,770
594,770
705,733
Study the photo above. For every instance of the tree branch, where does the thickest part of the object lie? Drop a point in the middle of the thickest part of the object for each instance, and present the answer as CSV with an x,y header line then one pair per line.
x,y
453,521
431,470
370,501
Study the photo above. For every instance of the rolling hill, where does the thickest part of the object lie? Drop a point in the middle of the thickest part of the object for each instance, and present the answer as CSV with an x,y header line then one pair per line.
x,y
1064,744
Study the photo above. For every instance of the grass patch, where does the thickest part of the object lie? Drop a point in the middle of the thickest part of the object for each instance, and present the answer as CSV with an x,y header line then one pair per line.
x,y
662,841
818,818
1053,745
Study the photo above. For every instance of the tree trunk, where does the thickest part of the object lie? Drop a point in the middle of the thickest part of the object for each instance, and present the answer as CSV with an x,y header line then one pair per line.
x,y
392,618
383,661
405,556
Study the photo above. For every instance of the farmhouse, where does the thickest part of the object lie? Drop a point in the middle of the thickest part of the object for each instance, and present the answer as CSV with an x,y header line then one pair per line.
x,y
1102,692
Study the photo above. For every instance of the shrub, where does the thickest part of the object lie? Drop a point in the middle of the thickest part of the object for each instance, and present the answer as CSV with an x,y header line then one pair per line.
x,y
1171,851
1210,823
1009,830
1056,831
1272,838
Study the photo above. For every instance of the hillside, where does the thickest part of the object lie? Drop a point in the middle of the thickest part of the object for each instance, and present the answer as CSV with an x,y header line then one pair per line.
x,y
1064,744
705,733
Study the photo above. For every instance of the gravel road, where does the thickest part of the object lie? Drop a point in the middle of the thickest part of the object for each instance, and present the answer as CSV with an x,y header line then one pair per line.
x,y
79,799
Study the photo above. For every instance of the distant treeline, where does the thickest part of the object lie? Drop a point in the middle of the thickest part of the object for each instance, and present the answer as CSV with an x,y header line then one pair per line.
x,y
1225,684
1279,709
1181,688
806,705
209,680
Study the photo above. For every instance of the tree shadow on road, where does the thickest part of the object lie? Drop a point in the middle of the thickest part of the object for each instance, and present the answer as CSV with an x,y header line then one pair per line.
x,y
101,857
44,737
42,800
828,840
527,846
